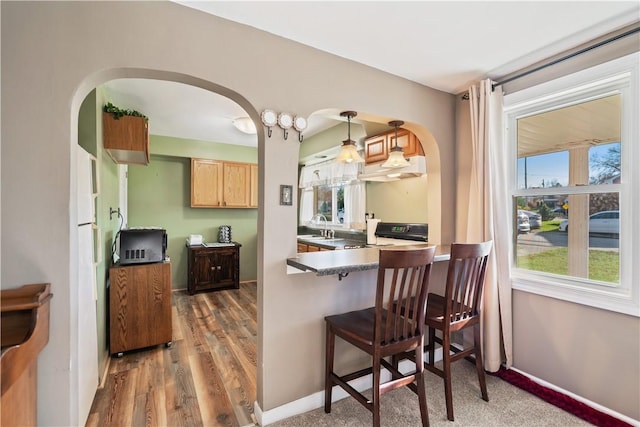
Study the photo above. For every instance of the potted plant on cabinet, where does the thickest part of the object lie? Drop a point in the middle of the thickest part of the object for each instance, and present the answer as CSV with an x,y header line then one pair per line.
x,y
126,135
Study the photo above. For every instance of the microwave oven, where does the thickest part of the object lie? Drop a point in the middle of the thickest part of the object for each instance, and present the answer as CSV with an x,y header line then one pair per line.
x,y
142,245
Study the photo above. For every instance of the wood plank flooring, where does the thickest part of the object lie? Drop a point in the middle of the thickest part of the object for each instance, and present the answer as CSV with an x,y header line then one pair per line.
x,y
206,378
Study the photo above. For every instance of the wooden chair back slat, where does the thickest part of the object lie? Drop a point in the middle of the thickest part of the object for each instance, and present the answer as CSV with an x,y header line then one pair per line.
x,y
465,279
409,271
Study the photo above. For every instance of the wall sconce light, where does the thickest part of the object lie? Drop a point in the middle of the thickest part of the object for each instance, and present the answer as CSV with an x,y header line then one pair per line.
x,y
245,124
269,119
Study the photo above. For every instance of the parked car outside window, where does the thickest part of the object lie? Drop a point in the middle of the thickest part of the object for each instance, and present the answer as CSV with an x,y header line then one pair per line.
x,y
606,222
523,222
535,219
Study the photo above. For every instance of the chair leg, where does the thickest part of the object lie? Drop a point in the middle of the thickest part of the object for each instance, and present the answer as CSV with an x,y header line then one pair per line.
x,y
431,345
422,396
375,395
446,368
479,367
329,352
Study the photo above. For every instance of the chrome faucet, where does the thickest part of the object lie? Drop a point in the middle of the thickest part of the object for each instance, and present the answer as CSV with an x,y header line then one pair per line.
x,y
325,232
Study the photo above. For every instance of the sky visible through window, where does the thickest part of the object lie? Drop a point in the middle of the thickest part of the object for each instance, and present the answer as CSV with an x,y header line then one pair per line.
x,y
548,170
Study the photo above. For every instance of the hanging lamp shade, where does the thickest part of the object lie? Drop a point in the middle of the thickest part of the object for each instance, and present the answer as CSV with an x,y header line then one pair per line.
x,y
349,152
396,157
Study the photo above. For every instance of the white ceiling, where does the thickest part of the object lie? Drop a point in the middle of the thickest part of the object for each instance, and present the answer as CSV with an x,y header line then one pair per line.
x,y
446,45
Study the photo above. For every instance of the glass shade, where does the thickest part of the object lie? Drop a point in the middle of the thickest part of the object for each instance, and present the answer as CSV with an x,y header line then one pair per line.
x,y
349,153
396,159
245,124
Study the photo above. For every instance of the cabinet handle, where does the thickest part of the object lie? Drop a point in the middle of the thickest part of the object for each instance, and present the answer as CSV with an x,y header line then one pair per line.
x,y
213,268
219,267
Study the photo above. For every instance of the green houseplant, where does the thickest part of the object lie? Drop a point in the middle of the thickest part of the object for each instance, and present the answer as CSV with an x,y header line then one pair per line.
x,y
119,112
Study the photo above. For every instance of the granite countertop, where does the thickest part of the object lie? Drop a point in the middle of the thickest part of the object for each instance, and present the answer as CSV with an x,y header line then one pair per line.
x,y
343,262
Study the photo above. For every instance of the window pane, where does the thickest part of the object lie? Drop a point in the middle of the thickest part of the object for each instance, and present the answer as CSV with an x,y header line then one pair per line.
x,y
324,201
553,146
578,235
604,164
544,170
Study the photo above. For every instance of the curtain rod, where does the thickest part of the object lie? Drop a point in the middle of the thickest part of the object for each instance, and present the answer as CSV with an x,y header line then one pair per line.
x,y
569,56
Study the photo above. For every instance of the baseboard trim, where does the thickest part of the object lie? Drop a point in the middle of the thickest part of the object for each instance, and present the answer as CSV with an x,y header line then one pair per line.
x,y
105,373
581,399
316,400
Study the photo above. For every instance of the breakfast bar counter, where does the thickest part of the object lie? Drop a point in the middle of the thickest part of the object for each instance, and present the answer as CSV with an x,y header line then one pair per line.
x,y
342,262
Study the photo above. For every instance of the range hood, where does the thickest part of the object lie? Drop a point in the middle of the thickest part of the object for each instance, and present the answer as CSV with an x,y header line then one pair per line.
x,y
417,167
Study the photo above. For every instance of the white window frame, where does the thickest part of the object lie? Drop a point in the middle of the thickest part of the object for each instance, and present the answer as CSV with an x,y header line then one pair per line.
x,y
620,75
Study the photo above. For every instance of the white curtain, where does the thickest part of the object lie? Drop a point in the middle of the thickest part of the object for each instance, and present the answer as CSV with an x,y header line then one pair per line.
x,y
306,205
355,199
489,217
330,173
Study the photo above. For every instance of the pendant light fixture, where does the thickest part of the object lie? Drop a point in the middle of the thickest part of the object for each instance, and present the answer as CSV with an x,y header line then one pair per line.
x,y
348,151
396,157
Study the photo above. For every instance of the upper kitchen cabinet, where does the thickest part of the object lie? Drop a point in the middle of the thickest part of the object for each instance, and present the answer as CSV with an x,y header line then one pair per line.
x,y
253,202
219,184
377,148
126,138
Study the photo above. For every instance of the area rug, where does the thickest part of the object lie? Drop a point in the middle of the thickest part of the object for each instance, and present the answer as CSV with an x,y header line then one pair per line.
x,y
560,400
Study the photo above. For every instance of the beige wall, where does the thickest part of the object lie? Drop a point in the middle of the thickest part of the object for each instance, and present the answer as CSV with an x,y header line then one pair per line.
x,y
591,352
54,54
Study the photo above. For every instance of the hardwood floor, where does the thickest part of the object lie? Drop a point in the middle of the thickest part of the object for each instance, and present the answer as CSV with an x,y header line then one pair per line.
x,y
206,378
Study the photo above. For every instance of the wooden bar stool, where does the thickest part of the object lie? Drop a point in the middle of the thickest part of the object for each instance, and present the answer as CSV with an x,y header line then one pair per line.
x,y
458,310
387,329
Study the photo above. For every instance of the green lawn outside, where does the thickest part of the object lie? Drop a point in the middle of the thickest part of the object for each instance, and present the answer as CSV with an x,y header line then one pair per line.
x,y
603,265
548,226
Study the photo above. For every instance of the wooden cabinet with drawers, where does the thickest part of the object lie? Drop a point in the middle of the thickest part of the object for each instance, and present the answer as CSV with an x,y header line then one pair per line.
x,y
213,268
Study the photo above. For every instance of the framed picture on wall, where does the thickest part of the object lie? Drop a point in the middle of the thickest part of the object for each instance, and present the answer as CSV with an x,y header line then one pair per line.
x,y
286,195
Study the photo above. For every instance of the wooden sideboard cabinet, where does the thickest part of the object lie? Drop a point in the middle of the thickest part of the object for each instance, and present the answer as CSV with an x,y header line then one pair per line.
x,y
213,268
139,306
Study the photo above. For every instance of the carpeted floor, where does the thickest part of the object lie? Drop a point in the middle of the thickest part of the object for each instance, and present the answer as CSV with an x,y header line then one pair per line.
x,y
508,406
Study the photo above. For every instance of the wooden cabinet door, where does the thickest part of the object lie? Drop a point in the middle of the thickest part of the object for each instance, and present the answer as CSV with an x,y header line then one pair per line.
x,y
302,247
236,182
139,306
202,270
406,140
376,149
206,183
226,267
254,186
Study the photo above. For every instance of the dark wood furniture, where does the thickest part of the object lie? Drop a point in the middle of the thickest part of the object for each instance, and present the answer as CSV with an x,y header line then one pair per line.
x,y
213,268
24,333
386,330
457,310
139,306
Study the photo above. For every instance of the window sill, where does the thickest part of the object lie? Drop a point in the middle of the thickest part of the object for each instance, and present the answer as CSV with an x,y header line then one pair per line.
x,y
618,299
